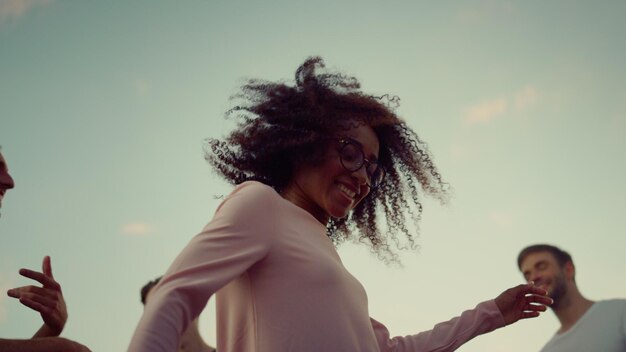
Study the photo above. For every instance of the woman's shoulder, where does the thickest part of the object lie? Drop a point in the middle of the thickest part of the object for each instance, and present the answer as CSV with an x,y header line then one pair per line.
x,y
251,194
252,203
254,189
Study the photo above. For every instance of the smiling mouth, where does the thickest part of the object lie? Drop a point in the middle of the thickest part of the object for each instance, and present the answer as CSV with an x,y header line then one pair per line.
x,y
347,191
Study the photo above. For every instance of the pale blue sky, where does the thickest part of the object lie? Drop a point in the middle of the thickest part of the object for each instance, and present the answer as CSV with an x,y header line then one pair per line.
x,y
104,107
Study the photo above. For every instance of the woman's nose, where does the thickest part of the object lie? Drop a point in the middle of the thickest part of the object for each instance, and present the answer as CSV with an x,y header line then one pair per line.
x,y
362,176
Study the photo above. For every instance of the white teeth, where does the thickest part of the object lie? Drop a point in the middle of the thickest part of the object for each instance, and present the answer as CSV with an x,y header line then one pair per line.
x,y
347,191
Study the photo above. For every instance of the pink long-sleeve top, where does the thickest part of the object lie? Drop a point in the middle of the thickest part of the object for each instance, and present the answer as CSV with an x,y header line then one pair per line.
x,y
280,286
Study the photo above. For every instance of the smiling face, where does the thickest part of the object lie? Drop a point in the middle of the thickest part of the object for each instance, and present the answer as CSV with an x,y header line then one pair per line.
x,y
544,270
6,181
327,189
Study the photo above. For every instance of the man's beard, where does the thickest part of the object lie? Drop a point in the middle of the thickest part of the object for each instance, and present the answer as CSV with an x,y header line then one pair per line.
x,y
559,291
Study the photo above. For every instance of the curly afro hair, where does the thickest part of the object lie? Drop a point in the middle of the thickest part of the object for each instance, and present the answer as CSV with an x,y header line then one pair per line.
x,y
281,126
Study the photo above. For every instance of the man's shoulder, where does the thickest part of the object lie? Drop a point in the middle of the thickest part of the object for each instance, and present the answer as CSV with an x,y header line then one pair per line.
x,y
42,344
614,303
594,331
611,307
615,300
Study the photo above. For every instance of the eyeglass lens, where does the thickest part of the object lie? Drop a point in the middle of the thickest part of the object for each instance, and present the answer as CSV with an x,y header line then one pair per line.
x,y
352,158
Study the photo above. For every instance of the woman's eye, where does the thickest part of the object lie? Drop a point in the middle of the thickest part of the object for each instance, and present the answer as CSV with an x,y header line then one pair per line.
x,y
350,155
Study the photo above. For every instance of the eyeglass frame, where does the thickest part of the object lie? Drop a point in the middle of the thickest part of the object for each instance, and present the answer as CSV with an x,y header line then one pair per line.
x,y
346,141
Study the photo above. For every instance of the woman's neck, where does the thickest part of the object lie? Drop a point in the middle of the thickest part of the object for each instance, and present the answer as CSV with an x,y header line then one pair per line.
x,y
294,194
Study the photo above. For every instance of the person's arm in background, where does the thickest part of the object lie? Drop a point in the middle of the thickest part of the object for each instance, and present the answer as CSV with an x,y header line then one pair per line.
x,y
45,344
47,300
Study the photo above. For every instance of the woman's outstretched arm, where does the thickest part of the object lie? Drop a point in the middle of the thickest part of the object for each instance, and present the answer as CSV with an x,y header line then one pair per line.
x,y
520,302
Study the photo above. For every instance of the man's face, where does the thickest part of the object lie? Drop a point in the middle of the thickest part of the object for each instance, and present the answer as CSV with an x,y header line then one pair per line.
x,y
544,270
6,181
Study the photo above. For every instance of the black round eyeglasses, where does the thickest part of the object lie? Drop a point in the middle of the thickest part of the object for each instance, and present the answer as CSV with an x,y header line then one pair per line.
x,y
353,158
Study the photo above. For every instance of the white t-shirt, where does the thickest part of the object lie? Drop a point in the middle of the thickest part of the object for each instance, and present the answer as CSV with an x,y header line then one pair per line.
x,y
602,328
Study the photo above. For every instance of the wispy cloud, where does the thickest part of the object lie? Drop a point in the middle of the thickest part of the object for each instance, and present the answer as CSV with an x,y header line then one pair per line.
x,y
137,229
14,9
526,98
488,110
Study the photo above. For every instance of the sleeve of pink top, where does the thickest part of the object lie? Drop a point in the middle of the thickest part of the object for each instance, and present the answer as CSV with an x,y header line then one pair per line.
x,y
446,336
235,239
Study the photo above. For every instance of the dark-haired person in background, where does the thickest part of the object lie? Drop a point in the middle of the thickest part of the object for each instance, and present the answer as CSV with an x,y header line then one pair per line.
x,y
585,325
47,300
313,164
191,341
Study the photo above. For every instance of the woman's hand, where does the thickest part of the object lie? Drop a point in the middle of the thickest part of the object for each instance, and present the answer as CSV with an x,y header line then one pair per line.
x,y
522,302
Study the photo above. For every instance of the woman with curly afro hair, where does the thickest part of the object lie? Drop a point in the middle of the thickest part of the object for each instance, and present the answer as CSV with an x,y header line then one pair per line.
x,y
313,164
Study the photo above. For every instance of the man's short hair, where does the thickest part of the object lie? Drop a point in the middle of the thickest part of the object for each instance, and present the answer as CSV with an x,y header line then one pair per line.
x,y
147,287
561,256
